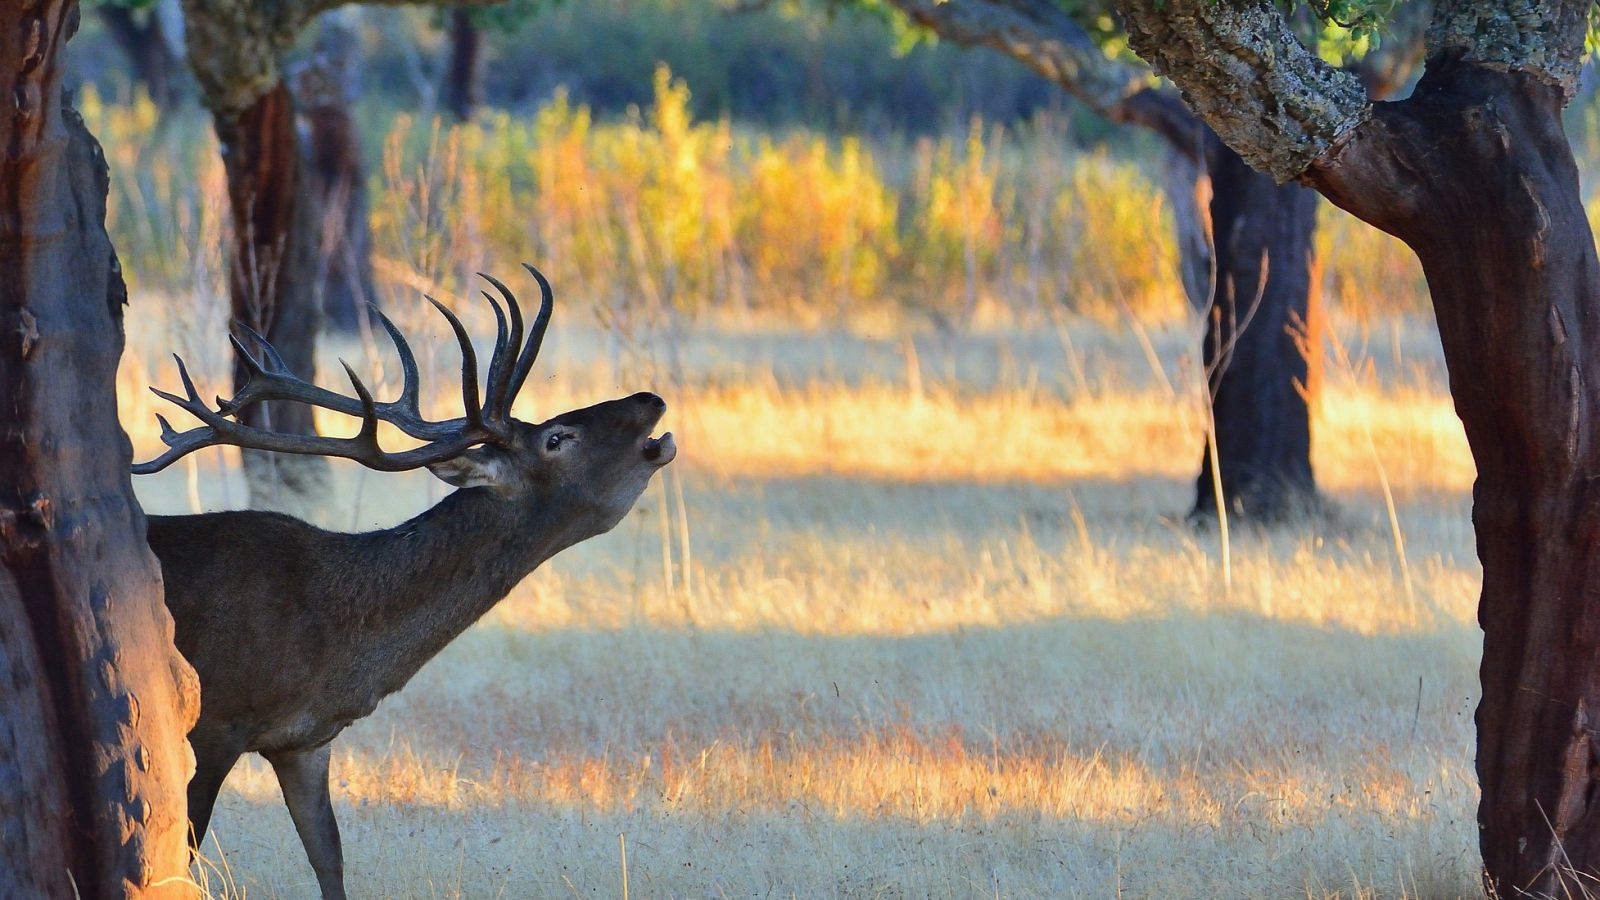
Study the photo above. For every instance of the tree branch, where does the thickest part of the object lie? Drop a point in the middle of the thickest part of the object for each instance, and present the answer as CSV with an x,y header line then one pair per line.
x,y
1039,35
236,47
1541,38
1242,70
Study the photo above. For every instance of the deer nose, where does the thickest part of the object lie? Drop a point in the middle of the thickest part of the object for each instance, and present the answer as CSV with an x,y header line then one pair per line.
x,y
651,400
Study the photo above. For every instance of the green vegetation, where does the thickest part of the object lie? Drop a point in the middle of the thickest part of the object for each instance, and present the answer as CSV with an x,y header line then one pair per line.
x,y
658,210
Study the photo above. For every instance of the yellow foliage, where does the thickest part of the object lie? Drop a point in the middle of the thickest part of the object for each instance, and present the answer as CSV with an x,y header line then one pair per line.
x,y
660,214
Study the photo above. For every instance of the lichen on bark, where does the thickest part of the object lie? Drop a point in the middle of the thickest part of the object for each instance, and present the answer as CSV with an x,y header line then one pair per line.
x,y
1542,38
1243,71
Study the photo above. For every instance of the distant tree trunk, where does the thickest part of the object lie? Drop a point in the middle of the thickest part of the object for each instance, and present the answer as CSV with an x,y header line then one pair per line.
x,y
153,59
1246,258
463,78
94,699
1260,345
271,279
325,90
1257,375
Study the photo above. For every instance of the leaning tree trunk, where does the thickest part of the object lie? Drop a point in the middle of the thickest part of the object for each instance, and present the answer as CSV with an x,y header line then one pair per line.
x,y
1262,332
271,278
463,77
1476,175
94,699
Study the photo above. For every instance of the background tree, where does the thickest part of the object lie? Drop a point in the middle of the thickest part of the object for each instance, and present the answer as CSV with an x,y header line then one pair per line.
x,y
237,49
326,88
1474,172
1245,244
463,70
149,32
465,29
94,699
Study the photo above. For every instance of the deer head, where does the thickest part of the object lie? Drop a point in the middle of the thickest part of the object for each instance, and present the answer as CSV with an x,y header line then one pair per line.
x,y
591,464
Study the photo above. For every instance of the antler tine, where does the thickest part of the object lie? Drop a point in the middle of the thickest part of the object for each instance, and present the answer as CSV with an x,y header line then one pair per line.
x,y
368,435
499,366
408,364
363,448
269,353
268,377
530,352
500,391
469,365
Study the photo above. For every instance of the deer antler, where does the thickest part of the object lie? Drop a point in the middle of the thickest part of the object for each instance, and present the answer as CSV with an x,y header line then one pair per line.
x,y
269,378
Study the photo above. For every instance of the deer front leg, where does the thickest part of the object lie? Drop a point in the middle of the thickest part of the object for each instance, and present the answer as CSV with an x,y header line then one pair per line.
x,y
214,755
303,778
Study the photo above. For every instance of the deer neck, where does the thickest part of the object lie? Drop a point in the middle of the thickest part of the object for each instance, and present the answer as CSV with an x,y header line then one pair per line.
x,y
441,571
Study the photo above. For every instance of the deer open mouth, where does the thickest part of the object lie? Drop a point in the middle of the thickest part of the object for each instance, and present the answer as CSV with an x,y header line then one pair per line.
x,y
660,450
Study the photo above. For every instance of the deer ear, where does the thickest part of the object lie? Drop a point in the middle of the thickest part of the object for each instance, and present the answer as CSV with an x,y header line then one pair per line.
x,y
478,467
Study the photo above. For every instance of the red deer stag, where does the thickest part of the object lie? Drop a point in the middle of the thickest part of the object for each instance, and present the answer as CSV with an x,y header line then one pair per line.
x,y
296,632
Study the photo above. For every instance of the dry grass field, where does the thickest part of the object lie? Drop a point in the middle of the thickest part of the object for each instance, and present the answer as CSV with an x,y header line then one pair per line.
x,y
919,619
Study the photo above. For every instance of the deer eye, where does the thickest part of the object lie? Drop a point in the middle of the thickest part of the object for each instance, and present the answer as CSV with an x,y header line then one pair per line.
x,y
554,443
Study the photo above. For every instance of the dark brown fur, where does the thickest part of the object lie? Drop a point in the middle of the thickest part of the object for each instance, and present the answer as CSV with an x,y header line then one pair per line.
x,y
296,632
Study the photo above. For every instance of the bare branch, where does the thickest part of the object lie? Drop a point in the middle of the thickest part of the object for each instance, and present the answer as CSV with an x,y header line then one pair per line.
x,y
1045,39
1037,34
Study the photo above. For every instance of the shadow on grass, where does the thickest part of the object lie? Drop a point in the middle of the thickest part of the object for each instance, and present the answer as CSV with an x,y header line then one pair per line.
x,y
1174,755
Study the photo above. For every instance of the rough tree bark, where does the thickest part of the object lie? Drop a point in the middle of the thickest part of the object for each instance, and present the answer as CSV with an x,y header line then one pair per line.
x,y
94,699
1257,373
463,74
1475,174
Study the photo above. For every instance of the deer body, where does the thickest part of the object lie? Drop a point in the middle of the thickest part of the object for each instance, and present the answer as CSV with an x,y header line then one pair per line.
x,y
316,627
295,632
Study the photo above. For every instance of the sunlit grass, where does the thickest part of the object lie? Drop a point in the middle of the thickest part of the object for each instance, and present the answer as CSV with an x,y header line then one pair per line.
x,y
917,612
942,631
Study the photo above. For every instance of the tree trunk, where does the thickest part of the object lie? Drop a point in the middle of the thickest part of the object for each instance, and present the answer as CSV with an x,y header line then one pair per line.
x,y
1474,172
1255,292
1476,175
94,699
272,273
463,78
150,54
325,90
1260,345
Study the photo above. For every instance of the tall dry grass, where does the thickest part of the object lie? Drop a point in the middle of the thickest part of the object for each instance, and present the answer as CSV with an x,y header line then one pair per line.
x,y
927,623
915,613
